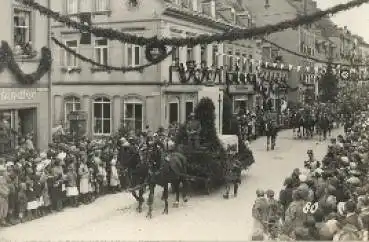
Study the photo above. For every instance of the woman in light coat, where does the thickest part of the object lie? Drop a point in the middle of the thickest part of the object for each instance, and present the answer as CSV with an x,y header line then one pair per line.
x,y
114,176
84,175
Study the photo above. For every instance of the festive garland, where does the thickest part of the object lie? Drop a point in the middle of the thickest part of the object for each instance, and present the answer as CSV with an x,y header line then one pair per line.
x,y
309,57
111,68
7,60
235,34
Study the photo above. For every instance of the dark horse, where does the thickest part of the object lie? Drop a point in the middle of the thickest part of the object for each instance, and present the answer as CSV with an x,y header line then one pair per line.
x,y
296,124
309,124
170,168
155,167
271,131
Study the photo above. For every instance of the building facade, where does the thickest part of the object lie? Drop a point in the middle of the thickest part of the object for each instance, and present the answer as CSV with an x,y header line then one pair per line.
x,y
24,108
308,40
160,95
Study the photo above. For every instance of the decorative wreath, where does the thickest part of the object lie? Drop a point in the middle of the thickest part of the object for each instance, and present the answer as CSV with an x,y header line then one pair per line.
x,y
7,60
161,49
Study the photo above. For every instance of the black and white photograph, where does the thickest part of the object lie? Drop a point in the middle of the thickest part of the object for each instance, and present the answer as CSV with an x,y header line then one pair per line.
x,y
184,120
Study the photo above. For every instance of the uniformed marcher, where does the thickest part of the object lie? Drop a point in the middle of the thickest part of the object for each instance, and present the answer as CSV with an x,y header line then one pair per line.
x,y
274,214
260,216
295,216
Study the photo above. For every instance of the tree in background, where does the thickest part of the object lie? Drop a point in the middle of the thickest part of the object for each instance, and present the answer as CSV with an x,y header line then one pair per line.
x,y
328,86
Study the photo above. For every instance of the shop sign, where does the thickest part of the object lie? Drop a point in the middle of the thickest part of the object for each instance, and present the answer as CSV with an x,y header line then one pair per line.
x,y
17,94
77,115
241,88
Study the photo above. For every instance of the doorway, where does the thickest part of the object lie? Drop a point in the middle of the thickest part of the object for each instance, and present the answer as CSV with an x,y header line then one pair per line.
x,y
27,123
173,113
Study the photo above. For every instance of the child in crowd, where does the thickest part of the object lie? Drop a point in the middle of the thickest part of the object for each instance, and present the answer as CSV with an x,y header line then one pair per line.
x,y
72,190
22,202
101,179
38,193
114,177
91,185
4,193
45,193
32,202
84,178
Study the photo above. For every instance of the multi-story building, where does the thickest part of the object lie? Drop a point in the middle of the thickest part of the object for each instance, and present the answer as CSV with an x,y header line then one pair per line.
x,y
159,95
307,40
24,106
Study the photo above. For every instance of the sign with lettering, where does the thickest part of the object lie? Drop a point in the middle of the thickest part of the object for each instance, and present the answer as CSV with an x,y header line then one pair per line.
x,y
17,94
241,88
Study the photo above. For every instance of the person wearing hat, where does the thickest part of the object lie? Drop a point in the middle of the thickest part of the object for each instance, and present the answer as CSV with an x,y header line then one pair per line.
x,y
294,215
4,193
285,195
259,214
71,186
274,213
114,175
57,191
84,174
193,128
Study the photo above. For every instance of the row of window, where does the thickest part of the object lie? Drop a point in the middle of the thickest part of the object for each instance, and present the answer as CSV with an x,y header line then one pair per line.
x,y
134,55
101,53
133,117
102,114
74,6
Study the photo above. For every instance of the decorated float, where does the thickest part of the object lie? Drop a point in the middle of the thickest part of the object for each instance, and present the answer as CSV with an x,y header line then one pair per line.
x,y
208,153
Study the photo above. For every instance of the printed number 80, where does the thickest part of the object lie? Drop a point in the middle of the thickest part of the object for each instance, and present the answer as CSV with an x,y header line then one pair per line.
x,y
310,208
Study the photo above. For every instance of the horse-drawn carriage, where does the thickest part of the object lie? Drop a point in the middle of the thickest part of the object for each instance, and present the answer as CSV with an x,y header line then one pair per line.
x,y
210,169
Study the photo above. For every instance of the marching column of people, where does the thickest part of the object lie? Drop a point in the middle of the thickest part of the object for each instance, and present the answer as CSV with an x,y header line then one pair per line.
x,y
327,200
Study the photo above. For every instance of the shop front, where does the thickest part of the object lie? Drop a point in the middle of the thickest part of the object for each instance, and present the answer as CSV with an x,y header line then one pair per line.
x,y
23,112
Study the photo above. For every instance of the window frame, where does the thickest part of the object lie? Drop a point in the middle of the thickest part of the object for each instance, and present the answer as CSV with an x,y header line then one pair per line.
x,y
193,107
102,115
67,4
66,54
238,99
70,100
131,48
107,6
178,111
29,36
101,48
134,101
190,54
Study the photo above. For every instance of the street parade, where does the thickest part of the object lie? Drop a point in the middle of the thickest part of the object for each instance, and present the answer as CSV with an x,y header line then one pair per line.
x,y
184,120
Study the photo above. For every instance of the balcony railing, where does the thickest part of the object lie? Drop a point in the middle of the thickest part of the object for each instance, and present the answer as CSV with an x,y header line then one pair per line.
x,y
190,73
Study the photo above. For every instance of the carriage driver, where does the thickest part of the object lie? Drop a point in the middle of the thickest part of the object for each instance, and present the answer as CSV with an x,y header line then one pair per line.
x,y
193,128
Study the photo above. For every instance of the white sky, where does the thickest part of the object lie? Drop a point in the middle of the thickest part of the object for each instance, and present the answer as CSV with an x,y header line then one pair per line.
x,y
356,19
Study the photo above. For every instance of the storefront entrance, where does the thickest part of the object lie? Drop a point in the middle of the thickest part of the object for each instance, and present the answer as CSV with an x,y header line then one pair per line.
x,y
15,124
